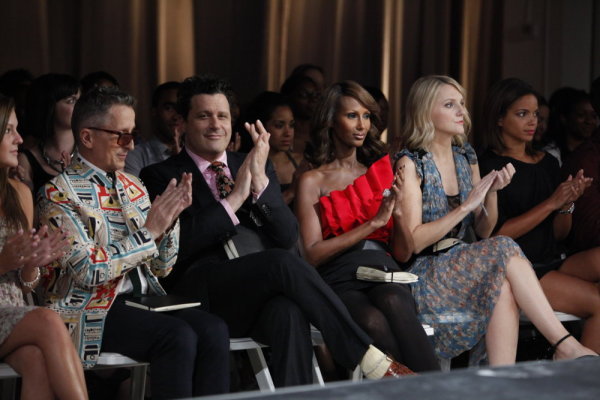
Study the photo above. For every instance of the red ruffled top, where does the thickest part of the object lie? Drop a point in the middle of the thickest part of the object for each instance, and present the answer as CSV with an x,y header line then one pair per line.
x,y
344,210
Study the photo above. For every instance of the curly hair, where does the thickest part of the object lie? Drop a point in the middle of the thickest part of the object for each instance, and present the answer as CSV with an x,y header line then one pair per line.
x,y
320,148
418,132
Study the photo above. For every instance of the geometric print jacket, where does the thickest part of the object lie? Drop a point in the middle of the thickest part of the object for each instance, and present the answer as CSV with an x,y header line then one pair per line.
x,y
104,225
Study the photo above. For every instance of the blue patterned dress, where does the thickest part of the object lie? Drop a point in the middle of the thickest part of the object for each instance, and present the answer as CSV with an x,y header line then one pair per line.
x,y
457,289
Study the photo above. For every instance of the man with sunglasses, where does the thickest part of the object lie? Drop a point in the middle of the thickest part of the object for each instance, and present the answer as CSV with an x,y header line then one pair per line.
x,y
120,245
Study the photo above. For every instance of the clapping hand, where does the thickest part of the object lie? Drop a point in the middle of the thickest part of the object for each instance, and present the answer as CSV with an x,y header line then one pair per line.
x,y
65,159
32,249
503,177
480,190
570,190
385,208
258,155
241,188
167,206
396,189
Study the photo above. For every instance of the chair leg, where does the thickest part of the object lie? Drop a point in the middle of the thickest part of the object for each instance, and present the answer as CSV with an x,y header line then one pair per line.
x,y
317,376
261,371
9,389
445,364
138,382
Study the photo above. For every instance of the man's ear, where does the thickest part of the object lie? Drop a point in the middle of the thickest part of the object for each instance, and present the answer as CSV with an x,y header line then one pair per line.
x,y
86,138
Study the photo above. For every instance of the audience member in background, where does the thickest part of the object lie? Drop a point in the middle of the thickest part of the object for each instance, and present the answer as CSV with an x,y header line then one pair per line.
x,y
312,71
34,341
585,229
345,222
126,245
541,139
535,208
384,110
49,142
15,83
98,78
267,292
275,112
572,120
468,290
166,132
303,94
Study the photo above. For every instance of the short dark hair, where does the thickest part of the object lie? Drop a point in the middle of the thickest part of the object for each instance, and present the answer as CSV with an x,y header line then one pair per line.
x,y
293,82
92,107
202,84
302,68
43,94
13,80
160,89
263,106
91,80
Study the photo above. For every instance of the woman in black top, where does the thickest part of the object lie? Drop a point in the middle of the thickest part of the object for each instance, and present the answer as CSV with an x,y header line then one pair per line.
x,y
535,209
49,141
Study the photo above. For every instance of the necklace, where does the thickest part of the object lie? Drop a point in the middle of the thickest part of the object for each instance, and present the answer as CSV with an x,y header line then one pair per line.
x,y
51,162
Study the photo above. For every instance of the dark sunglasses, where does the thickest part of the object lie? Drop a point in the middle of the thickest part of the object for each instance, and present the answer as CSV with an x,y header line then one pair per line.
x,y
124,137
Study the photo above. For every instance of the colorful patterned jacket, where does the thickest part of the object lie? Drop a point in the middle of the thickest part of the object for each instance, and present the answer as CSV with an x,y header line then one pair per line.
x,y
105,229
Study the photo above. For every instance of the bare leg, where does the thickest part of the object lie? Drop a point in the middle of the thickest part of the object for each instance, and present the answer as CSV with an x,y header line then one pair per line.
x,y
529,296
584,265
44,329
576,296
29,362
503,330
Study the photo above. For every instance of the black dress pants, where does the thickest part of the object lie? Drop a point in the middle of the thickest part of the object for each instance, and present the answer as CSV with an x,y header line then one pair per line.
x,y
188,349
272,296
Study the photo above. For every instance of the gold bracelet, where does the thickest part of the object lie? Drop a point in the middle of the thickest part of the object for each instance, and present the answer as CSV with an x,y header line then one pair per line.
x,y
30,284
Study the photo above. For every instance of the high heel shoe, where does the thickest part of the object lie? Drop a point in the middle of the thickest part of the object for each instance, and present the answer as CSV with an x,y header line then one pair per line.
x,y
552,349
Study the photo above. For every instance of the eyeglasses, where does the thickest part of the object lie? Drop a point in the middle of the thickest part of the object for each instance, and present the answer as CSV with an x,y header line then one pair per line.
x,y
124,137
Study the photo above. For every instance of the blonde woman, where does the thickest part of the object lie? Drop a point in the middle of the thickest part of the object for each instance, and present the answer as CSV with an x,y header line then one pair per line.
x,y
468,290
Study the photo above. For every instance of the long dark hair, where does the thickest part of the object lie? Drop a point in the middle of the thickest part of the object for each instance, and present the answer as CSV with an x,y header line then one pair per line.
x,y
42,96
499,99
9,198
320,149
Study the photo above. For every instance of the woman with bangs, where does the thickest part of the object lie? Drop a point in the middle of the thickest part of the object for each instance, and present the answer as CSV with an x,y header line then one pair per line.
x,y
468,290
349,213
33,340
49,140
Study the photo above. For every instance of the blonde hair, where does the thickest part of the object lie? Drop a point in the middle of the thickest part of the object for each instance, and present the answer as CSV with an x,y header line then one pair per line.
x,y
418,129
